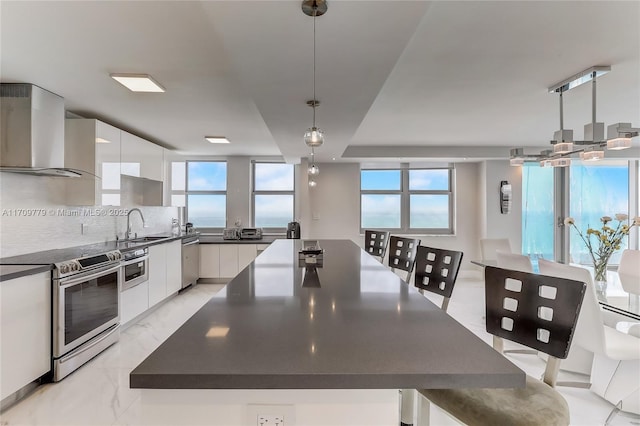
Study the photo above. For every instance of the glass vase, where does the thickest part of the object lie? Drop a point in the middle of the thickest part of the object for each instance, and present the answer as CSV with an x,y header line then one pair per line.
x,y
600,280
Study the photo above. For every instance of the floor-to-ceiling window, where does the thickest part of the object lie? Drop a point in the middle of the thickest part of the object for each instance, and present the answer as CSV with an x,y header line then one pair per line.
x,y
596,190
537,211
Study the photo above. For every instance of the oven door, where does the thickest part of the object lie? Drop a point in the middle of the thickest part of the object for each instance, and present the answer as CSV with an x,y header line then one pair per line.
x,y
86,305
135,271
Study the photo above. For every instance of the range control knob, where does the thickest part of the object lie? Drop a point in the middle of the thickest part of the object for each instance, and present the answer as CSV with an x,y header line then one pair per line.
x,y
64,268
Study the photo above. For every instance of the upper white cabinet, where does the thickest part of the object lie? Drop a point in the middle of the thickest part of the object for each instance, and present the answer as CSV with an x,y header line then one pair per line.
x,y
141,158
109,153
94,147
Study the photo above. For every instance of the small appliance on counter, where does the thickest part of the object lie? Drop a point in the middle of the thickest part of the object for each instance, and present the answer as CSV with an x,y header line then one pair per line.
x,y
189,229
251,234
231,234
293,231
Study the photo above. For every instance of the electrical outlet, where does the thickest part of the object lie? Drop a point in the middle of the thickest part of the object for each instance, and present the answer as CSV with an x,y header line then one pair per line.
x,y
270,420
271,415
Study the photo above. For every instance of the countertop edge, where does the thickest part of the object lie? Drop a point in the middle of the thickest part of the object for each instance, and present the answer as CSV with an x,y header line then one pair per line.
x,y
21,271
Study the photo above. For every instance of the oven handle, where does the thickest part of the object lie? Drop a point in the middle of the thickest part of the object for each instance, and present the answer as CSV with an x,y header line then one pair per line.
x,y
83,278
135,260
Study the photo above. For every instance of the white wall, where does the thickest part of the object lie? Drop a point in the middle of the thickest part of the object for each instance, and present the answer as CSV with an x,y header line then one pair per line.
x,y
33,218
497,225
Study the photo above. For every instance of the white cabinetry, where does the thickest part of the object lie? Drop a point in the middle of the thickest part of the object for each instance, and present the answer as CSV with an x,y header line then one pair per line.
x,y
133,302
174,267
209,260
226,260
165,271
157,273
25,331
145,159
94,147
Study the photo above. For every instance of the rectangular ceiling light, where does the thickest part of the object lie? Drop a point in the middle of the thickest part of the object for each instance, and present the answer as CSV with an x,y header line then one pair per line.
x,y
217,139
138,82
579,79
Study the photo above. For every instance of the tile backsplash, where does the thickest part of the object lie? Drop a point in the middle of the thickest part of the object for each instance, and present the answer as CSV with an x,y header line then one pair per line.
x,y
33,217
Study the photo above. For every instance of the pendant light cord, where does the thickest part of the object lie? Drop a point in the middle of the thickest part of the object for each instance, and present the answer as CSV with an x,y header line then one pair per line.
x,y
315,13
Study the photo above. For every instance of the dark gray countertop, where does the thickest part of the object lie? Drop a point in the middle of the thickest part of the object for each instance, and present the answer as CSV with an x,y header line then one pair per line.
x,y
9,272
351,324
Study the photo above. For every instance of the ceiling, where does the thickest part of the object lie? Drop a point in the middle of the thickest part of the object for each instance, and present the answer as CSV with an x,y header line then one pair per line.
x,y
397,79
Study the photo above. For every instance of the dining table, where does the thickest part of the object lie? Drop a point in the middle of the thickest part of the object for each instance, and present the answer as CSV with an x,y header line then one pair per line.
x,y
334,327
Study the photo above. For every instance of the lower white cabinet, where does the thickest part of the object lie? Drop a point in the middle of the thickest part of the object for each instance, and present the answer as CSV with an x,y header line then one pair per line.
x,y
25,331
157,273
174,267
227,260
209,260
133,302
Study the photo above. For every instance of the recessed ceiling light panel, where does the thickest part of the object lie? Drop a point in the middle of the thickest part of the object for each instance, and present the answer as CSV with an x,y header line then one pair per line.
x,y
138,82
217,139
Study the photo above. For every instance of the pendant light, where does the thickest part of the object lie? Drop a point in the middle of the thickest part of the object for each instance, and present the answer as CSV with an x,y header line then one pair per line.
x,y
314,137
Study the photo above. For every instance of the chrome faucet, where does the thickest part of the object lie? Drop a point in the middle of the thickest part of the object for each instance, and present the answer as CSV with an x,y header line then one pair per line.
x,y
127,235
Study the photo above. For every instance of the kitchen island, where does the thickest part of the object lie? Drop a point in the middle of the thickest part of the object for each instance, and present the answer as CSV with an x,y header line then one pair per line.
x,y
347,330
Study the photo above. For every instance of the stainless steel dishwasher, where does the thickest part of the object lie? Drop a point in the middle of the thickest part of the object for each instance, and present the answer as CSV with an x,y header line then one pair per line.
x,y
190,260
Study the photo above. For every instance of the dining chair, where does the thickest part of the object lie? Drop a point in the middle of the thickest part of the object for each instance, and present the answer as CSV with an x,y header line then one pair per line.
x,y
489,246
402,254
629,271
514,262
537,311
436,271
376,243
616,355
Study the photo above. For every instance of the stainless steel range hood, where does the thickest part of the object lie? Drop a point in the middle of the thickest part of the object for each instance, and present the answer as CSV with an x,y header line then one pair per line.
x,y
32,131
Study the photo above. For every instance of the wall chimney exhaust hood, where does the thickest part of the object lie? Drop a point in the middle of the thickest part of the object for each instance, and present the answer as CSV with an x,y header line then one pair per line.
x,y
32,131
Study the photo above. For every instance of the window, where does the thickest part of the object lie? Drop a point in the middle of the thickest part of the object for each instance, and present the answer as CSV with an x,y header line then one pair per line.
x,y
408,200
597,190
201,186
273,195
537,211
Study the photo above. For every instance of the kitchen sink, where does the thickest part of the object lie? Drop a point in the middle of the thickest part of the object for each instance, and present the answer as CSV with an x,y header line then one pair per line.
x,y
146,239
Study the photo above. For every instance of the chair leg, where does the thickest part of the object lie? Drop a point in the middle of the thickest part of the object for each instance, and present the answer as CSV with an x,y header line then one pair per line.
x,y
618,410
445,304
407,397
498,344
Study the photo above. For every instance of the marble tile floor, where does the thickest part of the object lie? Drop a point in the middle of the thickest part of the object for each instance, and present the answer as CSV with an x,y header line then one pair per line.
x,y
99,394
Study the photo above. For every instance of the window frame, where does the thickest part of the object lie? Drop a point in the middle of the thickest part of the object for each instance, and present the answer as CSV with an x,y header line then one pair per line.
x,y
254,192
188,192
405,201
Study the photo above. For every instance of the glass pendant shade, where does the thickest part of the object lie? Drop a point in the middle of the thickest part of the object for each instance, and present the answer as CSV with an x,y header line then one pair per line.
x,y
619,143
314,170
314,137
592,154
312,183
561,162
563,148
516,161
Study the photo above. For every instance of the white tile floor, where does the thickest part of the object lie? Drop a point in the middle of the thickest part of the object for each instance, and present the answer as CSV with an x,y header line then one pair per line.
x,y
99,394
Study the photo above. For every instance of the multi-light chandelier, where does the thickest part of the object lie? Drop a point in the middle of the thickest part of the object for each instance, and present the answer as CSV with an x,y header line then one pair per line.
x,y
314,136
592,148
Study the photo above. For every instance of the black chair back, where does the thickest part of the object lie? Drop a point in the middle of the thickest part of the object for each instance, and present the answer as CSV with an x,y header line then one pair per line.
x,y
437,270
402,253
534,310
376,242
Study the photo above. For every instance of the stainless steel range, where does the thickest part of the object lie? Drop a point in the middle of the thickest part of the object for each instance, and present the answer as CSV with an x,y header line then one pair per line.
x,y
86,309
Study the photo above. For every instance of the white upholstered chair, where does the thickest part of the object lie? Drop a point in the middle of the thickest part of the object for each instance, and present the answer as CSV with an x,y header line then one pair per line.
x,y
616,361
629,271
513,261
489,246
